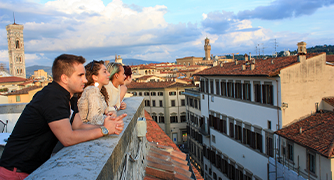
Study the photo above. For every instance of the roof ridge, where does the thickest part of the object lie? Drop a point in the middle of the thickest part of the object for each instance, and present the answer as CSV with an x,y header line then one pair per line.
x,y
331,149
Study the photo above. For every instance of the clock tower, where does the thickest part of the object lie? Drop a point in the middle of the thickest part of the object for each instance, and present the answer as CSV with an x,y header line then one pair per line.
x,y
16,50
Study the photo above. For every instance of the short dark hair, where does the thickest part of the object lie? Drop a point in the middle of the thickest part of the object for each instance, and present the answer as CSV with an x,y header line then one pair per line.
x,y
127,71
63,64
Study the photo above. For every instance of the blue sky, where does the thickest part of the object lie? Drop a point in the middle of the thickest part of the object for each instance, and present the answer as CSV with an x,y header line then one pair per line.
x,y
163,30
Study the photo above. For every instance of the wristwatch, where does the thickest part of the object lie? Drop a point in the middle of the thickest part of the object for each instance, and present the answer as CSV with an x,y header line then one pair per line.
x,y
105,131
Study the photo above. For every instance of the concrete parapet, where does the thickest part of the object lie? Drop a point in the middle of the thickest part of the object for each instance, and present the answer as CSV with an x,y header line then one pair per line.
x,y
103,158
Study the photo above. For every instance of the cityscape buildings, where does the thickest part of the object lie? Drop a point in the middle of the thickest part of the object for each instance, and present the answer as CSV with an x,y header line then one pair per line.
x,y
243,103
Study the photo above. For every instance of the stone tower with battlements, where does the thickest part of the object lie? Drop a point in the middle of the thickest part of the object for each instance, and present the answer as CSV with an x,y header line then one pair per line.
x,y
17,65
207,48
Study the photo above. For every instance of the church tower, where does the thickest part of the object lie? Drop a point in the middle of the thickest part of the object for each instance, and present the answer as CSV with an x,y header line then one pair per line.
x,y
207,48
118,59
17,65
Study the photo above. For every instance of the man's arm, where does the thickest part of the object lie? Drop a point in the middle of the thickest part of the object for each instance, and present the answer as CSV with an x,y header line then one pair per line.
x,y
68,136
78,124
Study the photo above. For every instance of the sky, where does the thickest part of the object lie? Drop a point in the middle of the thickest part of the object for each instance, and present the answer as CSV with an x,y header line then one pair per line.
x,y
163,30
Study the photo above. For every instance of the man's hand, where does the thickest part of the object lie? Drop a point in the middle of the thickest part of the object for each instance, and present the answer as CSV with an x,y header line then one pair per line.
x,y
123,105
114,125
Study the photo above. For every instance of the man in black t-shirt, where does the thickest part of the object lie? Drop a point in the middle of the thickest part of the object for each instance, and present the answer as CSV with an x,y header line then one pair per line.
x,y
50,116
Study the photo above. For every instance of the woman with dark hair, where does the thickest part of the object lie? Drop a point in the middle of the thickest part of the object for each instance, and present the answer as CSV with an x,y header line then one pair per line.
x,y
127,81
116,79
93,103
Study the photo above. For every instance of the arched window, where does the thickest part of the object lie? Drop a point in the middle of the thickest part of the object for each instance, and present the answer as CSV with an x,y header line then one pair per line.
x,y
17,44
20,71
17,70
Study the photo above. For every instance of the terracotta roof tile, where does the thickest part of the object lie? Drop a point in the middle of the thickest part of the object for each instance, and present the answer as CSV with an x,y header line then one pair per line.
x,y
330,58
24,90
329,100
144,77
317,133
11,79
164,158
263,67
197,174
27,82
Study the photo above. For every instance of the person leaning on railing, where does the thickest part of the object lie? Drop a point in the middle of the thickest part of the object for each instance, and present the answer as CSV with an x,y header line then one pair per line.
x,y
50,116
116,79
93,103
127,81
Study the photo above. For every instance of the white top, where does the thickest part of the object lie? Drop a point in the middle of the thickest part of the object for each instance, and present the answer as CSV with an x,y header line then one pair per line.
x,y
92,106
114,96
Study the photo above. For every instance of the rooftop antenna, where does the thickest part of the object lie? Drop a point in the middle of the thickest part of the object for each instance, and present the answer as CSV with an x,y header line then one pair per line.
x,y
14,17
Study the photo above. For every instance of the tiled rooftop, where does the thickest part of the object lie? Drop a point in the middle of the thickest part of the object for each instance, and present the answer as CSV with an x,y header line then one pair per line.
x,y
263,67
329,100
27,82
317,133
24,90
330,58
164,158
157,85
144,77
11,79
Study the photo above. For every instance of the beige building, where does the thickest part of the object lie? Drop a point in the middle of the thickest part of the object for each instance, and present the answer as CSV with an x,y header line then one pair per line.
x,y
24,95
189,61
309,144
11,83
165,102
16,50
245,102
40,74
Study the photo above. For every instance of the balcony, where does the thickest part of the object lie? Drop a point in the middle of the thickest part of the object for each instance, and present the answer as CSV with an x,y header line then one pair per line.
x,y
205,130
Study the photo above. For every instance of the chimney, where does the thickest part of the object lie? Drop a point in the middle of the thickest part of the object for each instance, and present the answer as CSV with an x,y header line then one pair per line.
x,y
236,62
250,56
243,67
252,67
246,57
221,64
272,61
300,130
301,52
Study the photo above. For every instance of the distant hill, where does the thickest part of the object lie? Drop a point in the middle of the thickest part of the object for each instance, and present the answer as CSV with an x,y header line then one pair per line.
x,y
137,62
30,70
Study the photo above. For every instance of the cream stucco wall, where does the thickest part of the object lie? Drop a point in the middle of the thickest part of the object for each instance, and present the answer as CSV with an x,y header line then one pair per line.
x,y
304,84
323,165
3,99
24,98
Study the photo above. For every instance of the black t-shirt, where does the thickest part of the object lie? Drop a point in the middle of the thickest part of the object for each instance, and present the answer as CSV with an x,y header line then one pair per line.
x,y
32,140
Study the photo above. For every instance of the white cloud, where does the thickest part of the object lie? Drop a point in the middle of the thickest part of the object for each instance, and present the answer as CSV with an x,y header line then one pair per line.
x,y
4,56
76,6
204,16
111,25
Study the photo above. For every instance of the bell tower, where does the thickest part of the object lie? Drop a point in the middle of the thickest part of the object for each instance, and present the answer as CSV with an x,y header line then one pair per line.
x,y
17,65
207,48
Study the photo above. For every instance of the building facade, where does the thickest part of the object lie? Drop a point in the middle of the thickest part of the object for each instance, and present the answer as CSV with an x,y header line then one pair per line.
x,y
243,103
16,50
165,102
